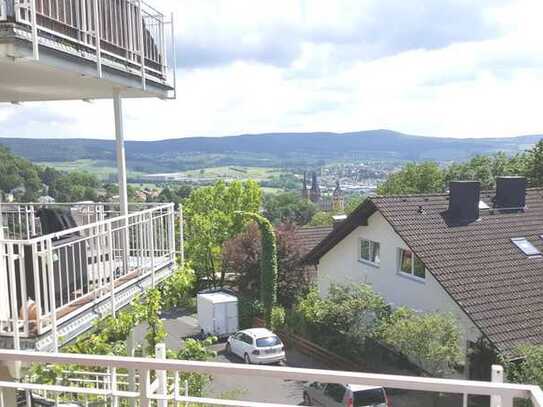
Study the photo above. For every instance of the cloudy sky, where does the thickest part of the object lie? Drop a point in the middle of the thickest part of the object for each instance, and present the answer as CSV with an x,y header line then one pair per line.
x,y
458,68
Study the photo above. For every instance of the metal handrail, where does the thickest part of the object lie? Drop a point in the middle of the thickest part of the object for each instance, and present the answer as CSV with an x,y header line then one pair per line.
x,y
507,392
130,31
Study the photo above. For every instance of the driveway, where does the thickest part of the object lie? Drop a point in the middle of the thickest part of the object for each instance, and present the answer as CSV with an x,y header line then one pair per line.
x,y
260,389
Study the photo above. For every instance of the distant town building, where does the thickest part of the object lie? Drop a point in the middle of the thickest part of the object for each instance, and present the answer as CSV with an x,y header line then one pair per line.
x,y
327,203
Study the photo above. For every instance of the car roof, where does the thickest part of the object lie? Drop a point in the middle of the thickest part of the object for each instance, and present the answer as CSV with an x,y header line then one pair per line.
x,y
258,332
359,387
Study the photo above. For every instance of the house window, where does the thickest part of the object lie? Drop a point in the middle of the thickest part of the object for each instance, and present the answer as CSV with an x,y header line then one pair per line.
x,y
410,264
370,251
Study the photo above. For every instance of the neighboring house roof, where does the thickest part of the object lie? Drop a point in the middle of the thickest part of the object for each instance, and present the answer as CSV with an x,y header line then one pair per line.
x,y
494,282
309,237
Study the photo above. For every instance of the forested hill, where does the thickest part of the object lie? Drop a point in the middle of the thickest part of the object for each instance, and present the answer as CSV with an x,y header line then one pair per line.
x,y
376,144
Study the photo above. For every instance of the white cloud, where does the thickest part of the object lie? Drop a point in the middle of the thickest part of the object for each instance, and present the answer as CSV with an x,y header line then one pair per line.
x,y
438,68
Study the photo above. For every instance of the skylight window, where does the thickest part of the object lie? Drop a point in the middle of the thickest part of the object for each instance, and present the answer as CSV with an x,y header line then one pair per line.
x,y
527,248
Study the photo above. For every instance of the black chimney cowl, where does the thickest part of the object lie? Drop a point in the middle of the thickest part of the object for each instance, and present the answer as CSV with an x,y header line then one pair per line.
x,y
510,193
464,197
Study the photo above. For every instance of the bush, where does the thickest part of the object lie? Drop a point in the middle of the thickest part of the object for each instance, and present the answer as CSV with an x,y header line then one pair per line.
x,y
195,350
178,290
528,369
278,318
248,309
432,341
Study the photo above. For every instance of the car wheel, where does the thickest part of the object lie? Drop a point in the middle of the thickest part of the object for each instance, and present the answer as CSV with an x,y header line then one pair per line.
x,y
307,400
228,349
247,359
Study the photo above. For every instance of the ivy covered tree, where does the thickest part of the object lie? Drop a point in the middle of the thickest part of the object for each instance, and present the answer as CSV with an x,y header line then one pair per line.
x,y
268,274
242,257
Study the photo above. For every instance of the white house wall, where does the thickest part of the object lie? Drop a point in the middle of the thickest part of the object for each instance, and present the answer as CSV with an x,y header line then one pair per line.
x,y
341,265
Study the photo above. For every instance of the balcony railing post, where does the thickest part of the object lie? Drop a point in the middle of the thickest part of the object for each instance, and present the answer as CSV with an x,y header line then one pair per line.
x,y
502,400
98,37
37,286
13,298
35,39
142,44
181,236
171,233
162,375
151,237
131,349
144,388
52,298
111,266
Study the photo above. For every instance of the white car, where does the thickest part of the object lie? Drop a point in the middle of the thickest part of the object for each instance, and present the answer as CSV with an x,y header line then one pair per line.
x,y
256,345
338,395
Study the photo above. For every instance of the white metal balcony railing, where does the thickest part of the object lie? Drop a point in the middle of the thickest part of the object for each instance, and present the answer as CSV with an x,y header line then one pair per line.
x,y
158,381
48,279
131,32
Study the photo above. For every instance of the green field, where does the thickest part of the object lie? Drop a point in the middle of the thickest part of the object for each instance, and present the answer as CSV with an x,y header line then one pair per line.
x,y
106,170
233,172
102,169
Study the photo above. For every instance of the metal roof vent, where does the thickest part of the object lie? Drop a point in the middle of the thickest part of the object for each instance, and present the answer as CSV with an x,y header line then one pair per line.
x,y
464,197
510,193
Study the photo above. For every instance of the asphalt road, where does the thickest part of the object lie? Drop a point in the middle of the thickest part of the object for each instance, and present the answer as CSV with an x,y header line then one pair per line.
x,y
260,389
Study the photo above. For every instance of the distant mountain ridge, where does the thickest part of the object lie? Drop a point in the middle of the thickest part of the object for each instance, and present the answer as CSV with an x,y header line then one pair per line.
x,y
169,154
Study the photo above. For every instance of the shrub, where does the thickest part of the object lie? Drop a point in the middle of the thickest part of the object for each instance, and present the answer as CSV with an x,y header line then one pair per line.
x,y
432,341
278,318
528,369
178,289
248,309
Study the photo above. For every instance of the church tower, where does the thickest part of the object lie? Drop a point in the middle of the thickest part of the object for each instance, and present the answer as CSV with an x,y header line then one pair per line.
x,y
338,203
315,193
305,191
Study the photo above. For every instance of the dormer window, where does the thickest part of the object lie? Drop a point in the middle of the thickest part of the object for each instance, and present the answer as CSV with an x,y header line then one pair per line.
x,y
527,248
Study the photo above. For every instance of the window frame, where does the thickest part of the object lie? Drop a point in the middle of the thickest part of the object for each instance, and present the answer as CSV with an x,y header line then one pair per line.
x,y
414,259
371,252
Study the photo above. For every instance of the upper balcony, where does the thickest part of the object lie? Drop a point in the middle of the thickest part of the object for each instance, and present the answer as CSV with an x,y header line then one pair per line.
x,y
81,49
63,266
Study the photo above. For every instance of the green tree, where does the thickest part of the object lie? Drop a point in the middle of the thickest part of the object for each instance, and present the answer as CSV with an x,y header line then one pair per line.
x,y
212,217
322,219
19,173
485,169
288,207
533,168
426,177
528,368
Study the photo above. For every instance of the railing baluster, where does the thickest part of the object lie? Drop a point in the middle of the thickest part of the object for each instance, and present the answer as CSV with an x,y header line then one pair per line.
x,y
37,285
24,292
13,298
111,269
52,299
144,388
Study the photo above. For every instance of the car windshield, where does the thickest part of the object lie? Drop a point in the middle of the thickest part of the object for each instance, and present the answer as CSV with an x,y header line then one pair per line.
x,y
268,341
369,397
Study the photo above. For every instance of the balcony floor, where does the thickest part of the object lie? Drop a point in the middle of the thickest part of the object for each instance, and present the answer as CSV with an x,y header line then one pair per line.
x,y
78,317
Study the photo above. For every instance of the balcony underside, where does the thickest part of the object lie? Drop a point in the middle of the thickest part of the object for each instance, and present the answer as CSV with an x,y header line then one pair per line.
x,y
66,75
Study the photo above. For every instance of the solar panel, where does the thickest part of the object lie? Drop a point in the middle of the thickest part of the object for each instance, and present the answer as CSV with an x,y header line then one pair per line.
x,y
527,248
